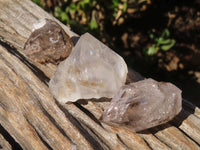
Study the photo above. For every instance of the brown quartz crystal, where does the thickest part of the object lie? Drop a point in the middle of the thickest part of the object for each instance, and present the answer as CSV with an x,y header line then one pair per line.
x,y
48,43
143,104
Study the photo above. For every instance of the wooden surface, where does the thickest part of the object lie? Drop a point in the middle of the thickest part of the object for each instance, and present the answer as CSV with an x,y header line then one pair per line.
x,y
31,119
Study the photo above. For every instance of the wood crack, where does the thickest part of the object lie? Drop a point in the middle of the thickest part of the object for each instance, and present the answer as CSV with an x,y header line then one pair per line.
x,y
9,138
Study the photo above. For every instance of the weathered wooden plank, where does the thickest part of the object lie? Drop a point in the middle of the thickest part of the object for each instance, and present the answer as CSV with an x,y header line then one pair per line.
x,y
4,144
174,138
153,142
189,124
36,121
190,108
26,103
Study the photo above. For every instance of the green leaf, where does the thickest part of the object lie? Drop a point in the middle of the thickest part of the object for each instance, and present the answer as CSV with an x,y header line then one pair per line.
x,y
58,11
164,41
152,50
93,24
64,17
85,5
73,7
156,39
160,39
168,46
151,36
67,9
166,33
115,3
124,6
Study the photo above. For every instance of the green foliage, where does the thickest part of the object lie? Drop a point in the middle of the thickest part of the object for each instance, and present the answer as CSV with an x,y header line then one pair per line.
x,y
77,12
93,24
125,6
59,13
164,42
90,15
38,2
85,5
114,7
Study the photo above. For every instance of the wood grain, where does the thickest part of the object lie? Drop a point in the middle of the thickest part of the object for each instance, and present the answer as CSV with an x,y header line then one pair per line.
x,y
31,119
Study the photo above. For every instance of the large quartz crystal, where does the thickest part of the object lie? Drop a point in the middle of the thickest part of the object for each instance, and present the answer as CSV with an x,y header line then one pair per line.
x,y
92,70
143,104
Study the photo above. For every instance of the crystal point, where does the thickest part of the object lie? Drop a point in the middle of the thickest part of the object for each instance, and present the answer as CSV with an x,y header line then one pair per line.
x,y
143,104
92,70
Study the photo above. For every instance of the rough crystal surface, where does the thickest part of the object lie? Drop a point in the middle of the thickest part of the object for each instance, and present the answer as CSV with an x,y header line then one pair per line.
x,y
48,42
91,71
143,104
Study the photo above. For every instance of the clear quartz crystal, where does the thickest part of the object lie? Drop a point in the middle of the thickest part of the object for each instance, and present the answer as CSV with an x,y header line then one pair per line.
x,y
143,104
92,70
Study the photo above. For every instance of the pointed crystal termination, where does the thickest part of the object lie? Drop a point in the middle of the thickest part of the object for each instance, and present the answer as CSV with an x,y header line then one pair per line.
x,y
92,70
48,43
143,104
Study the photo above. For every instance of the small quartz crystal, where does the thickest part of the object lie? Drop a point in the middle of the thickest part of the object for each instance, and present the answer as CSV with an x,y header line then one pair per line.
x,y
48,42
143,104
92,70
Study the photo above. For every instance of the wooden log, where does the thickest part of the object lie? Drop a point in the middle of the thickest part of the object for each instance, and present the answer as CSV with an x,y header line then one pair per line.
x,y
31,119
4,143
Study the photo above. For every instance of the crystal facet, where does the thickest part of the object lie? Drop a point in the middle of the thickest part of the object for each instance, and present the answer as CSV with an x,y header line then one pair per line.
x,y
143,104
48,42
91,71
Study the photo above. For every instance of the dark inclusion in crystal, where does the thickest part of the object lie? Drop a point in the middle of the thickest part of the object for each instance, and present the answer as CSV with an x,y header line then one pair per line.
x,y
143,104
48,43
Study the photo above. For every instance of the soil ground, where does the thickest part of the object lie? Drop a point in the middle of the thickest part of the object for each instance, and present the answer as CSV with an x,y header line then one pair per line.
x,y
181,64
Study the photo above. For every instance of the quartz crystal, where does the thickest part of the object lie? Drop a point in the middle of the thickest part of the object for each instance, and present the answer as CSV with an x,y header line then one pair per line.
x,y
143,104
92,70
48,42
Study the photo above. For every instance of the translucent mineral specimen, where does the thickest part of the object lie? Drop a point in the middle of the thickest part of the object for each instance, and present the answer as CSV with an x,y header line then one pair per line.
x,y
48,42
91,71
143,104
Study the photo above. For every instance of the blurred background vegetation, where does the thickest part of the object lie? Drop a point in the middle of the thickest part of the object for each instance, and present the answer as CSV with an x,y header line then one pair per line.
x,y
158,38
